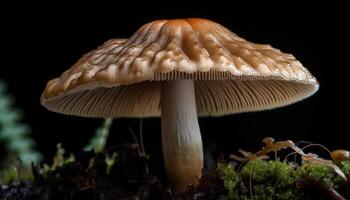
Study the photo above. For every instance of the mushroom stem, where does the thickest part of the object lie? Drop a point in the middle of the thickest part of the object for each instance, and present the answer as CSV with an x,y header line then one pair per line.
x,y
181,137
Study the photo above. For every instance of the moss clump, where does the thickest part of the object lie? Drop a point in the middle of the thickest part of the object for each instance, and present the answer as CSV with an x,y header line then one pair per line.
x,y
259,179
342,186
255,171
230,178
269,179
345,166
320,173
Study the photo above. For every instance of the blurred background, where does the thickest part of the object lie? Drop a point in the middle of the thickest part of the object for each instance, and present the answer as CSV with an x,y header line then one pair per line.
x,y
40,41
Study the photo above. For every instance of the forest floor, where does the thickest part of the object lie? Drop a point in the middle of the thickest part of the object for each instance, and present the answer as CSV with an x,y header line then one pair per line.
x,y
123,173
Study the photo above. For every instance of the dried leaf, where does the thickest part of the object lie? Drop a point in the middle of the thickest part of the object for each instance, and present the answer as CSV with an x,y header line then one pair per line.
x,y
314,159
247,156
272,146
268,140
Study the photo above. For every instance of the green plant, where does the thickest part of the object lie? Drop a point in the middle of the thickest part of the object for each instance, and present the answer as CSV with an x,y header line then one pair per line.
x,y
14,135
274,179
230,177
259,179
110,160
345,166
15,172
98,141
255,171
59,159
268,179
321,173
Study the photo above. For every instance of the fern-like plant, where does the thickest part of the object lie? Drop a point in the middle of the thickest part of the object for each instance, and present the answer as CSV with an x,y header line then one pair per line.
x,y
98,141
14,135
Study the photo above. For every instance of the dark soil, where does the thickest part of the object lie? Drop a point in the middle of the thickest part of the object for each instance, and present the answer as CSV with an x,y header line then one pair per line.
x,y
131,177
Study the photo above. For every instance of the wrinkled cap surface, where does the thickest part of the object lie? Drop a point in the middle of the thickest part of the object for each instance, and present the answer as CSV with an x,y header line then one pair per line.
x,y
123,77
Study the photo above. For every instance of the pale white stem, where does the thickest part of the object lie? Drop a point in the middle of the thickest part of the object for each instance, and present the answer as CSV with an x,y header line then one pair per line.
x,y
181,137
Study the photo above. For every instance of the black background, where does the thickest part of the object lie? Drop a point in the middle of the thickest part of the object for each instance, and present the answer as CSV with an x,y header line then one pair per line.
x,y
40,41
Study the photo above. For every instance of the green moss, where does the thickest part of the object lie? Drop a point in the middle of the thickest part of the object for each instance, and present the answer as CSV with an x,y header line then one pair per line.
x,y
230,177
269,179
255,171
282,172
262,192
345,166
274,171
259,179
321,173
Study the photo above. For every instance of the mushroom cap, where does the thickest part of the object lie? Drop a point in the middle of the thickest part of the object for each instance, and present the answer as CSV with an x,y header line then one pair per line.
x,y
122,77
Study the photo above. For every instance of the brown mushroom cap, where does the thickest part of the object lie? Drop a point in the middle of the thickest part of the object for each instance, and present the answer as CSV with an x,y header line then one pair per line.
x,y
122,77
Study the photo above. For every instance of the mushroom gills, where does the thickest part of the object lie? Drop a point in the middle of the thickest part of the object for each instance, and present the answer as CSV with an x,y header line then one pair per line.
x,y
181,137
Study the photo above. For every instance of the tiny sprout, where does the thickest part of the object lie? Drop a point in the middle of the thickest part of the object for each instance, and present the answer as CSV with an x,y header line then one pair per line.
x,y
59,159
110,160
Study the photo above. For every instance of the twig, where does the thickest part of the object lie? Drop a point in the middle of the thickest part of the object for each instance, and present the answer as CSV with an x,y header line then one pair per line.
x,y
141,138
319,145
136,141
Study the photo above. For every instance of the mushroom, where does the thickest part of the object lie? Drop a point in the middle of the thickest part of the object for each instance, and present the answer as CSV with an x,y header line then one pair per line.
x,y
179,69
340,155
